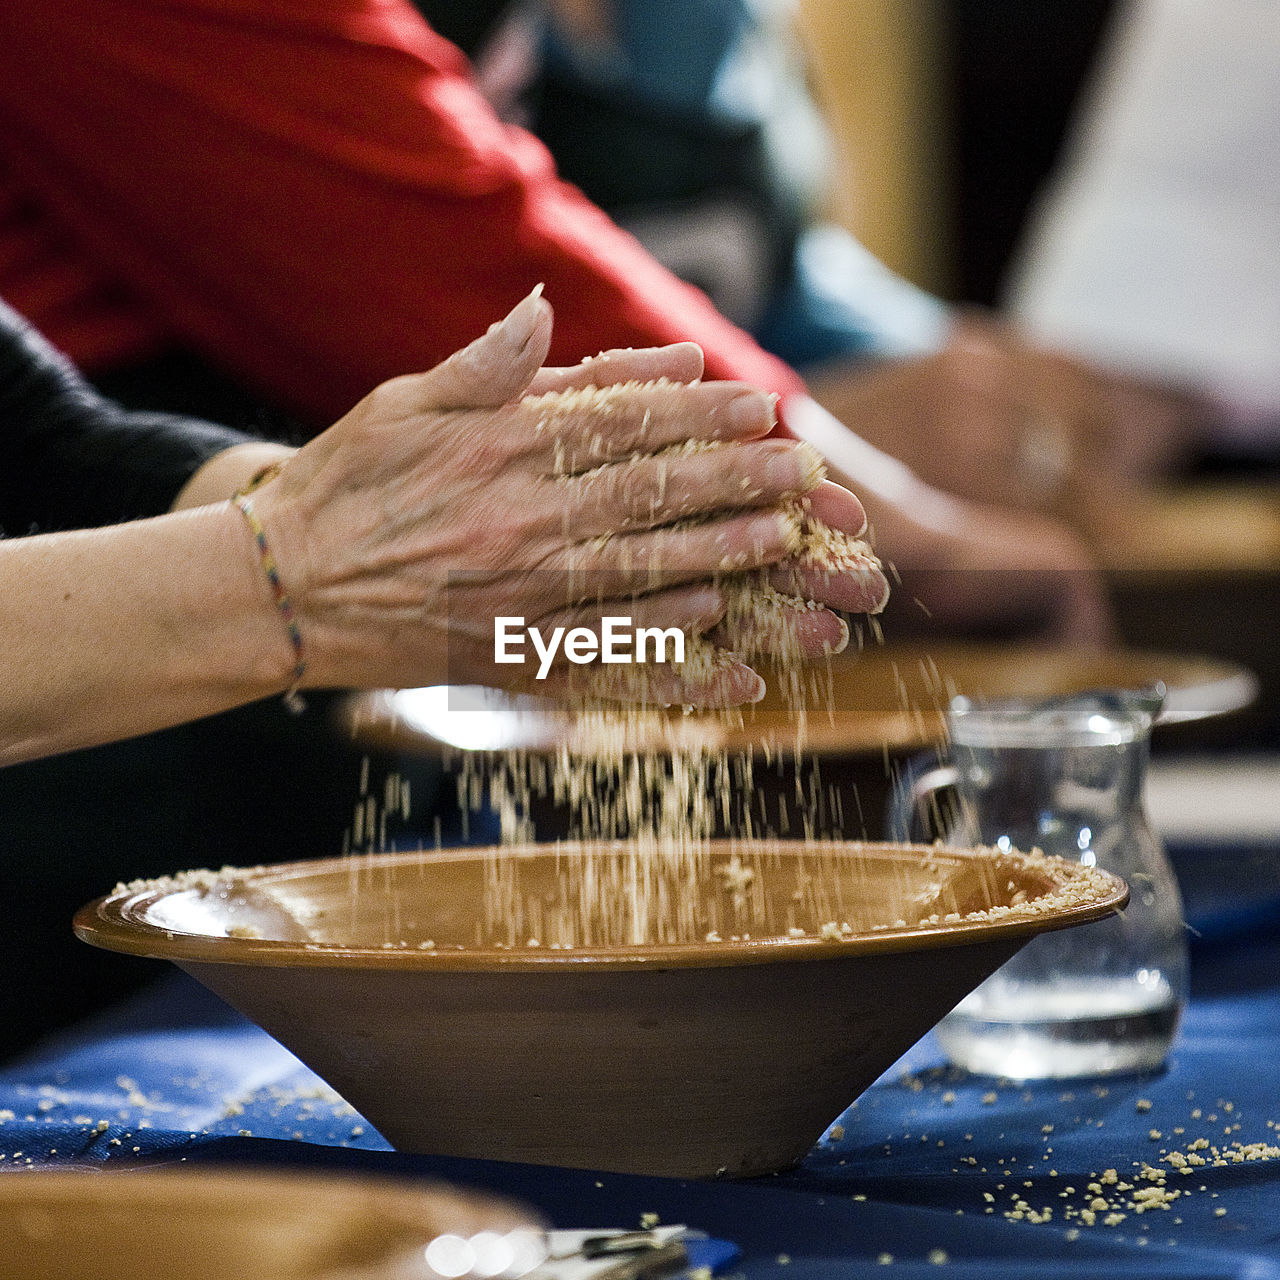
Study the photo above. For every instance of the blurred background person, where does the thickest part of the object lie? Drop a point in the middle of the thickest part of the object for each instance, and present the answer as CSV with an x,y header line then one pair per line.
x,y
1152,252
1125,340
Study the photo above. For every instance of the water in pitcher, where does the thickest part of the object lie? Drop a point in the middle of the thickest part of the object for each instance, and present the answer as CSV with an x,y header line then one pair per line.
x,y
1066,777
1070,1030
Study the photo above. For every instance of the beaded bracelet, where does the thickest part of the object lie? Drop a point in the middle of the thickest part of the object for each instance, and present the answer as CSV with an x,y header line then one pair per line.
x,y
292,698
260,477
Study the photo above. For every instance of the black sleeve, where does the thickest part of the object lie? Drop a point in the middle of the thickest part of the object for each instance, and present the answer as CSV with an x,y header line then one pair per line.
x,y
466,23
70,458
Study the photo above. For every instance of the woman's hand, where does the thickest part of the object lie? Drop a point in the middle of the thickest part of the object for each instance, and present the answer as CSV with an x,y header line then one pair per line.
x,y
489,488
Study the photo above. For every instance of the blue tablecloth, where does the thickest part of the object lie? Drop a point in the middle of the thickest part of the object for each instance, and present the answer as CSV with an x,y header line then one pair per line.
x,y
929,1164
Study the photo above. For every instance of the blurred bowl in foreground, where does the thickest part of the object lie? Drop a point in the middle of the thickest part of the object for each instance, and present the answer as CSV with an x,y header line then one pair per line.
x,y
453,1034
245,1225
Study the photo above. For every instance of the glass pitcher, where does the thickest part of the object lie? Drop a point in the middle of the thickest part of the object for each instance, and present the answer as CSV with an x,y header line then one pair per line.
x,y
1065,776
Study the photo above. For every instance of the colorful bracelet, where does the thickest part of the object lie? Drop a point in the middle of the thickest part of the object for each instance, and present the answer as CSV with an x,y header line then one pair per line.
x,y
292,699
260,477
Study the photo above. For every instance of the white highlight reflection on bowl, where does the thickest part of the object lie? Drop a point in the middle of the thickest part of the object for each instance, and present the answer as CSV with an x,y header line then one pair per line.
x,y
472,717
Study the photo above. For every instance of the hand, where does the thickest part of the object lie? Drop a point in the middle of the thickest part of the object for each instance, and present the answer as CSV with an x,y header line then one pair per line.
x,y
984,569
995,419
486,488
965,565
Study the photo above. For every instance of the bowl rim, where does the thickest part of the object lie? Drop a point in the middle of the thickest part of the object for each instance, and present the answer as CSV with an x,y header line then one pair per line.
x,y
118,920
277,1188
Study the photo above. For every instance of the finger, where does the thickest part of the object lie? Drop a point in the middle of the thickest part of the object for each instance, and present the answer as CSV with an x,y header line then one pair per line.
x,y
693,608
680,362
834,506
661,489
658,558
760,622
720,680
581,430
835,570
492,370
850,590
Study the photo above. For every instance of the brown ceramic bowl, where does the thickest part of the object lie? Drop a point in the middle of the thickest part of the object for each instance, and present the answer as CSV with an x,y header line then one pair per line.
x,y
684,1058
234,1225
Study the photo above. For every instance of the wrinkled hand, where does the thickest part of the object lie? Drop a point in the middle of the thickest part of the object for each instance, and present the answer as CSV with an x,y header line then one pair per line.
x,y
489,488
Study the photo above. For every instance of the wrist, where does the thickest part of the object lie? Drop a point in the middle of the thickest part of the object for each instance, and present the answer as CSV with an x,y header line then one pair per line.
x,y
281,600
227,638
228,472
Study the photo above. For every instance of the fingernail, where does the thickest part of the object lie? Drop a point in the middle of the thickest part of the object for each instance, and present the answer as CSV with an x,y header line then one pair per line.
x,y
517,327
750,413
707,607
882,596
843,643
737,685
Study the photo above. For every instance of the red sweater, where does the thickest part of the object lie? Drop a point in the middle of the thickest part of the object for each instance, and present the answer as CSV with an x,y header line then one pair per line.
x,y
310,192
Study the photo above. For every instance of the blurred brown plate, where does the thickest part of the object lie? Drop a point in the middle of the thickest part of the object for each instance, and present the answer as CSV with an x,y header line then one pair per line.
x,y
237,1225
892,698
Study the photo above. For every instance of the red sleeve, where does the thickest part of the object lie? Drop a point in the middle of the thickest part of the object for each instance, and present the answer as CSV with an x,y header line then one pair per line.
x,y
312,192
